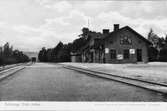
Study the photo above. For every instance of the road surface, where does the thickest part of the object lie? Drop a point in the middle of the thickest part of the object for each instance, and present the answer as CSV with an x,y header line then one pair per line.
x,y
52,82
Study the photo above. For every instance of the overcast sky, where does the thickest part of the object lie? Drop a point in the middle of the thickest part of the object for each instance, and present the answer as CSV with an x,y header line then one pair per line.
x,y
31,24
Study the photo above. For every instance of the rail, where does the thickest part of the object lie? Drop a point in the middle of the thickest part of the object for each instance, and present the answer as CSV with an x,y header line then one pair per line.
x,y
12,70
149,85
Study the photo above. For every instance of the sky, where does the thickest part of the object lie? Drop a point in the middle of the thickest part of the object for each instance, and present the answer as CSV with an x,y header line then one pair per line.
x,y
29,25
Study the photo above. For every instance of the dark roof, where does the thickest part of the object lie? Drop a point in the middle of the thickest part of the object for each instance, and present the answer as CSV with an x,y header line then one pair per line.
x,y
92,36
97,35
130,29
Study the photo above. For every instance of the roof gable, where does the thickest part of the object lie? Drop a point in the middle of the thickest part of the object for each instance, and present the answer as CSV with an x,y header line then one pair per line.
x,y
131,30
138,35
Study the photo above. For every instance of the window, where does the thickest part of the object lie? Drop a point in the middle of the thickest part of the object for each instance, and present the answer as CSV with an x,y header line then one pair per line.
x,y
111,42
113,54
126,54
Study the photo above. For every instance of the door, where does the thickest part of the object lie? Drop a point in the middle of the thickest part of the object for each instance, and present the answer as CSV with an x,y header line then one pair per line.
x,y
139,55
91,57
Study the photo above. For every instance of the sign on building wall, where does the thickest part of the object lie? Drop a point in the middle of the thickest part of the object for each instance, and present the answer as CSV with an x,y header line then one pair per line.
x,y
106,50
119,56
132,51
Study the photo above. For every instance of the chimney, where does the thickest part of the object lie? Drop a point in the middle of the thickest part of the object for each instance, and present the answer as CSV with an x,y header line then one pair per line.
x,y
106,31
116,27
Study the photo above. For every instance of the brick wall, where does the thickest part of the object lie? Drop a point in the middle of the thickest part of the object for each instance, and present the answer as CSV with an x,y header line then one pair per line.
x,y
113,42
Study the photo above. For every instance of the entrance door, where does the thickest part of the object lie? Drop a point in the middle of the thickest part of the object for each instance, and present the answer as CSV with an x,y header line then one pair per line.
x,y
91,57
139,55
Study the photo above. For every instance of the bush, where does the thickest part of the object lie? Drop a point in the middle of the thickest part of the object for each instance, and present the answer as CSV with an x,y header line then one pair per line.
x,y
152,54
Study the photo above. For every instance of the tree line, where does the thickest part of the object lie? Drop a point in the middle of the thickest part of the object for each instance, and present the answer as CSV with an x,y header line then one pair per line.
x,y
61,52
158,50
10,56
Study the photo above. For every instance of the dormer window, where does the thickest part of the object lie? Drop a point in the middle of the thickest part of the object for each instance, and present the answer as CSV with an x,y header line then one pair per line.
x,y
125,40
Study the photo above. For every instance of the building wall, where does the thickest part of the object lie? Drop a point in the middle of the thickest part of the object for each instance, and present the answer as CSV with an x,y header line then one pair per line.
x,y
75,58
92,55
98,56
113,42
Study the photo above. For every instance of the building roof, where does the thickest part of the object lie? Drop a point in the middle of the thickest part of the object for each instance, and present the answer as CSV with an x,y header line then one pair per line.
x,y
130,29
97,35
92,36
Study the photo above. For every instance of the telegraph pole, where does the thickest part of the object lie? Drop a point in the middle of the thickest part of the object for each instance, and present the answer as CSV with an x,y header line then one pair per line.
x,y
88,23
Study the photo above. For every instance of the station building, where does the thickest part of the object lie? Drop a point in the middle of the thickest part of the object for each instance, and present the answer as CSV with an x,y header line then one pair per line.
x,y
122,45
125,45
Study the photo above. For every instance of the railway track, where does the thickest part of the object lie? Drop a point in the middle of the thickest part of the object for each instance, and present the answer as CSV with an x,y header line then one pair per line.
x,y
12,70
12,66
153,86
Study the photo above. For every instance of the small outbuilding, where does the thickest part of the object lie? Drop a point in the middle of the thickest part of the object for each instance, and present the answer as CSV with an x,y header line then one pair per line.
x,y
75,57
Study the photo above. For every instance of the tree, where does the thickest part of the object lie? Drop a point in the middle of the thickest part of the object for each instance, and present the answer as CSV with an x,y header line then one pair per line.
x,y
49,55
157,44
150,34
152,54
161,43
166,39
163,51
153,38
42,55
81,41
8,56
60,53
85,32
7,50
20,57
55,53
64,54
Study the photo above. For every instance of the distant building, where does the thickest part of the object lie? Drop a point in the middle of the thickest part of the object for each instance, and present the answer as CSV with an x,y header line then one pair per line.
x,y
32,54
122,45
